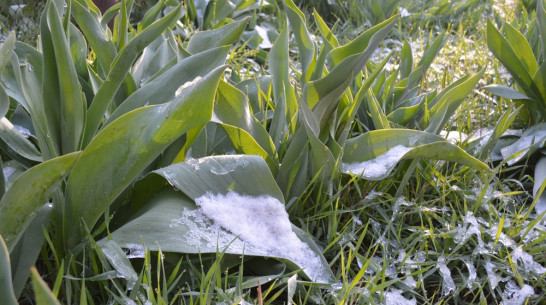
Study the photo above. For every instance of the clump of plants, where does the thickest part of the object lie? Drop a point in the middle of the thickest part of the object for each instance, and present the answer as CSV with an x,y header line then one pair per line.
x,y
238,152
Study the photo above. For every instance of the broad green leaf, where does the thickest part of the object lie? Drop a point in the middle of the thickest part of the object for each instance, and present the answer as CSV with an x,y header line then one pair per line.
x,y
506,92
430,53
28,193
220,10
253,88
531,140
278,65
402,115
226,35
5,50
78,50
330,87
42,293
359,44
27,250
541,21
124,148
442,111
374,154
155,57
540,180
103,47
71,105
120,67
379,118
163,88
406,60
539,85
117,258
151,15
521,47
504,122
246,133
165,220
501,48
306,46
4,101
6,288
325,31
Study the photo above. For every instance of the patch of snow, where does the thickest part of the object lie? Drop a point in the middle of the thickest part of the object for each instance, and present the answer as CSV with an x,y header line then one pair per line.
x,y
266,43
527,262
470,227
23,131
135,251
522,145
453,137
449,285
494,279
257,223
186,85
395,297
228,168
377,167
514,295
8,171
471,273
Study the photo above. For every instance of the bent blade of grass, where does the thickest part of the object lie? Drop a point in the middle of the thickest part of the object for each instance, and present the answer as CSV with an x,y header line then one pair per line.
x,y
28,193
124,148
120,68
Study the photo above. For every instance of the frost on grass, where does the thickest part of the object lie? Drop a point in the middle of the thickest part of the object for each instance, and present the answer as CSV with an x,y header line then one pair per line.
x,y
249,224
470,227
377,167
395,297
514,295
449,285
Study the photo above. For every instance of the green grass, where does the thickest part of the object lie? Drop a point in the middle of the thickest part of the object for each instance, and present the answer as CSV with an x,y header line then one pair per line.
x,y
432,232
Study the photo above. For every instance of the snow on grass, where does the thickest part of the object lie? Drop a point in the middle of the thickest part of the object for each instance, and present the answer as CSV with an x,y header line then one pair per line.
x,y
377,167
525,260
449,285
514,295
395,297
260,224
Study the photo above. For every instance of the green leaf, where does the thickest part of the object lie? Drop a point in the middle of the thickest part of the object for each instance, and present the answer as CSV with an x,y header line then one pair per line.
x,y
506,92
226,35
246,133
16,141
540,180
103,47
406,60
442,111
5,50
306,46
359,44
6,288
278,65
124,148
531,140
166,223
27,250
120,67
325,31
28,193
70,104
501,48
522,48
43,294
541,20
374,155
163,88
379,118
151,15
332,86
403,115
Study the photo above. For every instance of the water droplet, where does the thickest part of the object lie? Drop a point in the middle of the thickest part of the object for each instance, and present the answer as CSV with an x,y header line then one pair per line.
x,y
30,67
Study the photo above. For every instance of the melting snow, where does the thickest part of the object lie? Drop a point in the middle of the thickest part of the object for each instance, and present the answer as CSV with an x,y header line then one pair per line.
x,y
493,277
449,285
395,297
471,273
514,295
7,171
470,227
228,168
260,224
23,131
529,265
266,43
378,166
135,251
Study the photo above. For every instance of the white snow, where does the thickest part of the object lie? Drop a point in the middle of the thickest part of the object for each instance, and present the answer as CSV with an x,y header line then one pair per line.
x,y
514,295
395,297
471,273
240,222
266,43
187,85
470,227
378,166
403,12
494,279
525,259
531,137
135,251
23,131
449,285
7,171
228,168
